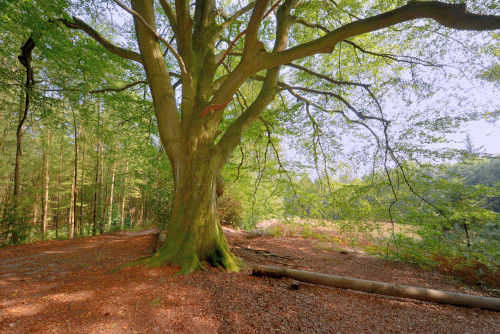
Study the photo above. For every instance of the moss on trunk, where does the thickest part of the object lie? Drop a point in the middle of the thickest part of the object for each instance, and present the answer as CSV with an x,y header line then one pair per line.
x,y
194,233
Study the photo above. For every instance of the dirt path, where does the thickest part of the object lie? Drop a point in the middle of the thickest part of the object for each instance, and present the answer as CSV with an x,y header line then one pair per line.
x,y
67,287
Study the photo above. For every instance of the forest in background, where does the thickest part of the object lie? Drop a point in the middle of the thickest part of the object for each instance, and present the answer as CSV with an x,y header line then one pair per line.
x,y
81,155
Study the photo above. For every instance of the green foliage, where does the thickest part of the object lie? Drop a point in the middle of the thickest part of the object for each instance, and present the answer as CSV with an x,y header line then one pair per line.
x,y
452,210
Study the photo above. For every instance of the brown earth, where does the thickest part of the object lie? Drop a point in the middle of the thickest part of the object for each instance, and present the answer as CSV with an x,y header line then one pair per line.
x,y
68,287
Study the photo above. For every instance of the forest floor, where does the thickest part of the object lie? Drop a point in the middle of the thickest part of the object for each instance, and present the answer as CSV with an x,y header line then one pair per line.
x,y
69,287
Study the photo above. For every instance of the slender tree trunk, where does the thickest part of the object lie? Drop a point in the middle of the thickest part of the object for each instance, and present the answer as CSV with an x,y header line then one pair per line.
x,y
2,204
105,211
141,213
25,59
97,171
105,195
96,191
75,180
466,229
59,189
34,181
72,223
45,198
124,197
82,179
110,221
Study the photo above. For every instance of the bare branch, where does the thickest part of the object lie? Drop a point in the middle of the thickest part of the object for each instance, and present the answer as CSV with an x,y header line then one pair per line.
x,y
104,90
310,25
121,89
344,11
403,58
324,77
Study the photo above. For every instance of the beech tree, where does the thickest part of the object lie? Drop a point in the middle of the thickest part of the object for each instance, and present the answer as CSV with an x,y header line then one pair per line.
x,y
211,50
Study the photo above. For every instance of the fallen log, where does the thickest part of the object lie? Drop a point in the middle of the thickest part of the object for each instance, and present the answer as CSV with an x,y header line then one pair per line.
x,y
396,290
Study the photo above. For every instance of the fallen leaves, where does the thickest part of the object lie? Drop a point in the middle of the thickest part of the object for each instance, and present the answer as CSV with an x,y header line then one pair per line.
x,y
86,298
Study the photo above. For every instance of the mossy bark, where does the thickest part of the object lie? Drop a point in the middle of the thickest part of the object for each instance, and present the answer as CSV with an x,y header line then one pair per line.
x,y
194,233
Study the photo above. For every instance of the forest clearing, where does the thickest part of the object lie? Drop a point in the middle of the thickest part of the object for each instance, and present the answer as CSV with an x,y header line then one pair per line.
x,y
69,287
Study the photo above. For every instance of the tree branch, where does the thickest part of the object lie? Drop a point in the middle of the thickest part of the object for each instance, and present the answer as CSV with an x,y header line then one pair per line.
x,y
233,135
324,77
116,50
172,19
238,14
403,58
155,34
449,15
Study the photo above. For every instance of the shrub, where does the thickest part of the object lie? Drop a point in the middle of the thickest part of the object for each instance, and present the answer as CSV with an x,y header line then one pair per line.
x,y
230,210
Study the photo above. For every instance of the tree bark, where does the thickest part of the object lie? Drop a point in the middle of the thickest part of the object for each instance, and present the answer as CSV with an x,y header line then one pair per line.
x,y
193,232
45,198
72,222
124,197
97,173
59,188
110,221
381,288
25,59
82,178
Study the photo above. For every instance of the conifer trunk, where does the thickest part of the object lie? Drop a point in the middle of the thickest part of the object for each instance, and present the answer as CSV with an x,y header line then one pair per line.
x,y
82,177
111,196
58,220
73,222
122,221
45,198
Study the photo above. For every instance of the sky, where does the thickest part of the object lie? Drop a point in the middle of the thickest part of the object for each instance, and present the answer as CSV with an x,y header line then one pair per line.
x,y
484,134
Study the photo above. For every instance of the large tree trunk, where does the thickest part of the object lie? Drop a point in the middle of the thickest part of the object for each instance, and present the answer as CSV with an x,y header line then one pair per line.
x,y
193,232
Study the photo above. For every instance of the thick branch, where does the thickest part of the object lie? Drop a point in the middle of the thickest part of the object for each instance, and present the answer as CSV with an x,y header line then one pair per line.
x,y
172,19
268,91
449,15
254,24
121,52
159,82
185,25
